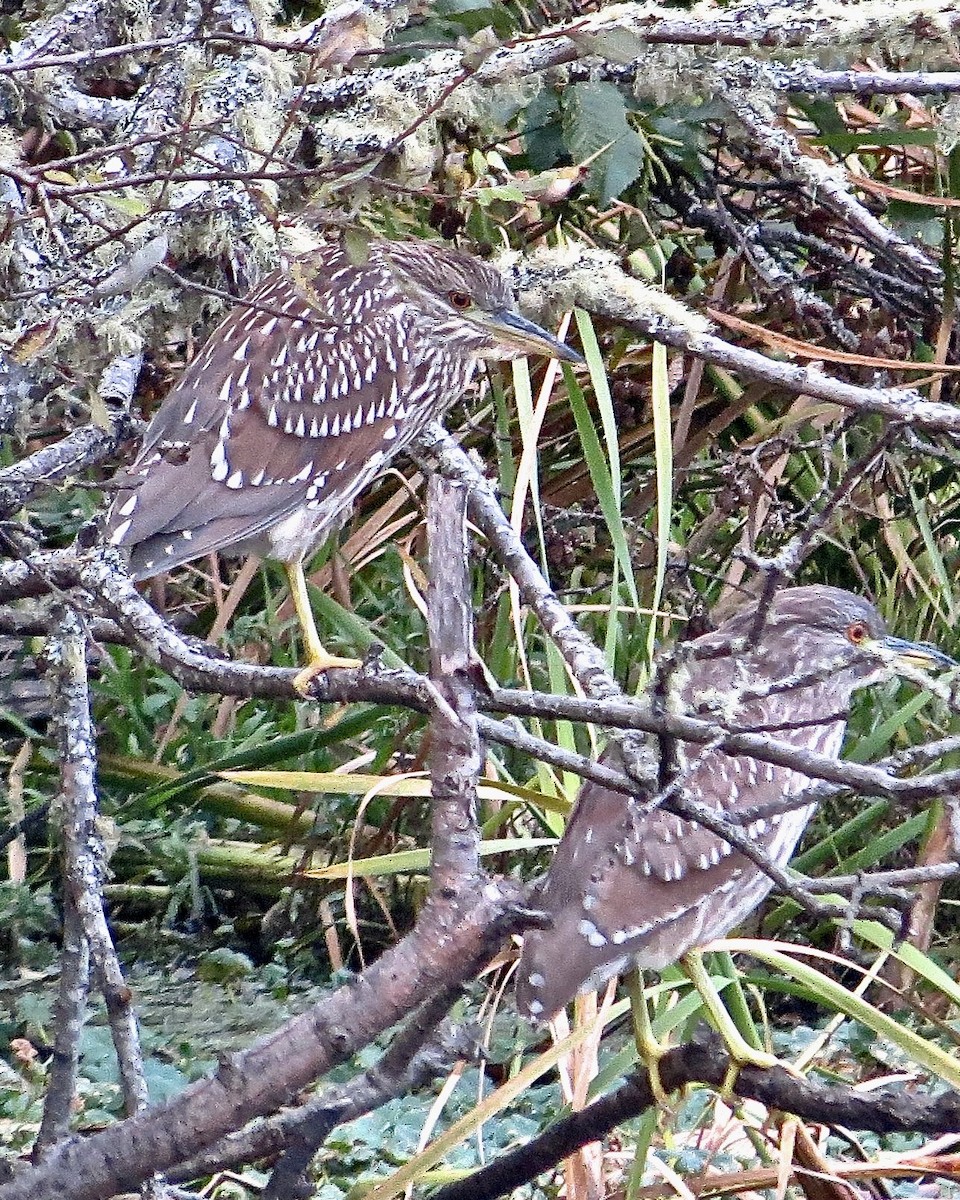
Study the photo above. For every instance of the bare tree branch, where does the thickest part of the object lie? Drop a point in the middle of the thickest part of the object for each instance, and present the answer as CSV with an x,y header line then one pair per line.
x,y
416,1055
704,1060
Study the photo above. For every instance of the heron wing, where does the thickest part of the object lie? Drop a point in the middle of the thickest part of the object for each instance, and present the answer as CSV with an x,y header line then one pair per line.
x,y
635,886
298,400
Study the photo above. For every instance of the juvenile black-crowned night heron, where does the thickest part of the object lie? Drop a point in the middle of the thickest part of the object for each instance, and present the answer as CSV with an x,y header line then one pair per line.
x,y
302,396
629,888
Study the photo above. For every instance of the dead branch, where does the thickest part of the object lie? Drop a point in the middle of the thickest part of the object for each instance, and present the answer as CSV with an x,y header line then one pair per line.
x,y
704,1060
454,938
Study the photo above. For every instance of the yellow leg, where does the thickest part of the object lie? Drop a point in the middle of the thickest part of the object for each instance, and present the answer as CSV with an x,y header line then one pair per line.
x,y
318,659
742,1054
649,1049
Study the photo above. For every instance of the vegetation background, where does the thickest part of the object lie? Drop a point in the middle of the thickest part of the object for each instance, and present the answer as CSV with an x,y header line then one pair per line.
x,y
788,174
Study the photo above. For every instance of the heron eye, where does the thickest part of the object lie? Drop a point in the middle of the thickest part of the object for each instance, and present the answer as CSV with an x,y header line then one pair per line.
x,y
857,633
460,300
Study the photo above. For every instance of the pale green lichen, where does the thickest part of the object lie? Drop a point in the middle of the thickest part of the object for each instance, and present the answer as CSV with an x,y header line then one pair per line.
x,y
948,125
383,117
265,13
580,276
119,332
909,34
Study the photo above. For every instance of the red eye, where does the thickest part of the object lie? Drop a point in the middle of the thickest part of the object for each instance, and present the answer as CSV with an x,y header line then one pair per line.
x,y
460,300
857,633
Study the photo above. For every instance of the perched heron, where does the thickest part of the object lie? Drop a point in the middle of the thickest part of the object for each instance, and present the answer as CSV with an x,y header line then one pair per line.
x,y
302,396
631,886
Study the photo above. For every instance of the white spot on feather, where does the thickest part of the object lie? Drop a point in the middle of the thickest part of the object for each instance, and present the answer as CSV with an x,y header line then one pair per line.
x,y
219,467
593,935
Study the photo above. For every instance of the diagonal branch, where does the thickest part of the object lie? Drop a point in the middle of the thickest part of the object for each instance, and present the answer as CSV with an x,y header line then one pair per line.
x,y
705,1061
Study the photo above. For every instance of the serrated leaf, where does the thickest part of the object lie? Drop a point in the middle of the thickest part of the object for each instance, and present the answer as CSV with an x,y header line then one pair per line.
x,y
594,116
542,134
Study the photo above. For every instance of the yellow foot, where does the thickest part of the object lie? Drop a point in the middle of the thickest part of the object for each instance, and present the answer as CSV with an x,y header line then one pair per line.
x,y
319,665
743,1055
651,1055
649,1048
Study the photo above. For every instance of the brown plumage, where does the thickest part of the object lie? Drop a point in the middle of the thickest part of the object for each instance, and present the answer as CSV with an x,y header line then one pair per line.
x,y
303,395
629,887
305,392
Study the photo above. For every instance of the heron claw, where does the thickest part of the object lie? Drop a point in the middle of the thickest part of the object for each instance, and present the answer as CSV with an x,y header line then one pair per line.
x,y
319,665
743,1055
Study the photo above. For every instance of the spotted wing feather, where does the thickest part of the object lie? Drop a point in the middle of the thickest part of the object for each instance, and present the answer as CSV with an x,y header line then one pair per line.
x,y
634,886
295,403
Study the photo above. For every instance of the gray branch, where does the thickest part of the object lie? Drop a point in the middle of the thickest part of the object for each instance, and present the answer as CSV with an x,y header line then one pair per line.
x,y
455,755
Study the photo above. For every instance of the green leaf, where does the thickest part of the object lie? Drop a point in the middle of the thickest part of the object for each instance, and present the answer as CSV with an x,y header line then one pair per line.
x,y
910,956
594,116
356,783
485,196
489,1109
663,455
605,484
926,1053
542,134
404,861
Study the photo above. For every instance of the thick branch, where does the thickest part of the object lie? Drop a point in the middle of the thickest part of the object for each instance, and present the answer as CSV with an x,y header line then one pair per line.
x,y
455,754
68,653
84,857
592,279
424,1057
416,1055
704,1060
198,668
85,446
450,945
